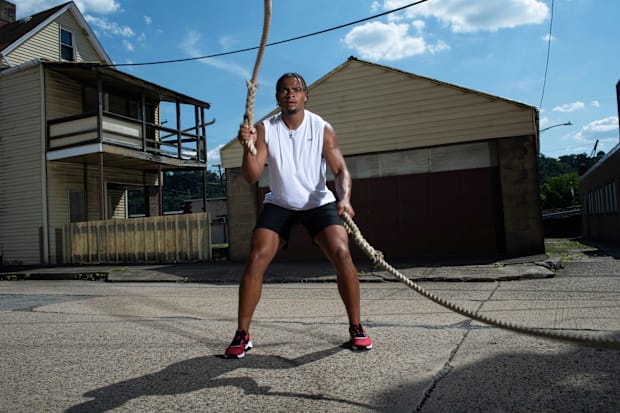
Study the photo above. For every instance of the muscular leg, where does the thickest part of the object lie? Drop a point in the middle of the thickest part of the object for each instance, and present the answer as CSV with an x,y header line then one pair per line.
x,y
265,245
334,243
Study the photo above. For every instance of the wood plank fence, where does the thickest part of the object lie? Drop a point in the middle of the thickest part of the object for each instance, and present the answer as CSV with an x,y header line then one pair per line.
x,y
163,239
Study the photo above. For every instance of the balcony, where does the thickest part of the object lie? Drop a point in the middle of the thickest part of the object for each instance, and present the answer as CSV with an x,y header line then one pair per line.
x,y
85,135
99,115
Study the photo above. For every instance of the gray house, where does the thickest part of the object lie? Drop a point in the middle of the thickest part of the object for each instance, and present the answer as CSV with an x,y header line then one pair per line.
x,y
75,136
438,169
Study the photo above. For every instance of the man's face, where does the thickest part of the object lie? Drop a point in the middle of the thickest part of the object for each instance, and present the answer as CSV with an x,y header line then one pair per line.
x,y
291,95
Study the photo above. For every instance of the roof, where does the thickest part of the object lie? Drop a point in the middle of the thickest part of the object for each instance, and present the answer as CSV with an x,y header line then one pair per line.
x,y
421,103
87,73
17,32
413,75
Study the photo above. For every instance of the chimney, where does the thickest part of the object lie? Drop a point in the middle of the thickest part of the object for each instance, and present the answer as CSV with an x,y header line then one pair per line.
x,y
7,12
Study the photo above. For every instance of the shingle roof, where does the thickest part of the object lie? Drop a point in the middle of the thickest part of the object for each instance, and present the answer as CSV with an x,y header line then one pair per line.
x,y
12,32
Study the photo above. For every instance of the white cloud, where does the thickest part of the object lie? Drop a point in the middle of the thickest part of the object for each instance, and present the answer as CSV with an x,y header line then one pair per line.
x,y
389,41
464,16
189,45
402,35
595,104
547,37
109,28
569,107
128,45
148,19
30,7
602,129
213,156
98,6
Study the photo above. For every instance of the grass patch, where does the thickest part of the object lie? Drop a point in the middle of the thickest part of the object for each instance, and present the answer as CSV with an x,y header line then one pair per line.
x,y
563,247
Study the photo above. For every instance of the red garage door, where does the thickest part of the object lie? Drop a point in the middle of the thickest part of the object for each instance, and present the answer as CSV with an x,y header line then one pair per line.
x,y
445,214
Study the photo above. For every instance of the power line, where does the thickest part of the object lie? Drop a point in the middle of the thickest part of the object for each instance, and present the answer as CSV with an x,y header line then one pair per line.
x,y
187,59
548,53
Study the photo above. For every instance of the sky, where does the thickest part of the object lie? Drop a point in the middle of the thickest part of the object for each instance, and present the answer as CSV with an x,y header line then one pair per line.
x,y
560,56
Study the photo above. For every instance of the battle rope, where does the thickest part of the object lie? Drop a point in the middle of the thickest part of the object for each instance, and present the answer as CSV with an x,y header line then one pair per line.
x,y
248,118
377,258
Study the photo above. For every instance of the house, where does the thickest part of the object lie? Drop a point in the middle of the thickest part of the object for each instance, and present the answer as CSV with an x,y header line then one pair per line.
x,y
75,135
439,170
600,195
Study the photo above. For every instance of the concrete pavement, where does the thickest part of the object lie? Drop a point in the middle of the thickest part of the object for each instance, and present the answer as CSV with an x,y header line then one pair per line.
x,y
77,346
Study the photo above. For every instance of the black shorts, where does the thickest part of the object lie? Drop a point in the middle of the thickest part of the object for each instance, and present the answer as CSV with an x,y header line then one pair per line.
x,y
281,220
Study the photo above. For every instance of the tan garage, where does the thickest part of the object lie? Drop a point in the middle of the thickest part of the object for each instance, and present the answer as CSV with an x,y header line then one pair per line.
x,y
439,170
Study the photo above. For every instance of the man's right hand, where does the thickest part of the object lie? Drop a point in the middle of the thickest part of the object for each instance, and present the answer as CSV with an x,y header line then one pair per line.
x,y
246,134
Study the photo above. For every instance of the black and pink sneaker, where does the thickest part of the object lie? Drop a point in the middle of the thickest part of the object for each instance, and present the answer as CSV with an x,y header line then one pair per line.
x,y
240,344
359,338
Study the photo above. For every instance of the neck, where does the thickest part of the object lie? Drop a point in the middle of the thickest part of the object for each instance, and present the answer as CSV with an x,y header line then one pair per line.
x,y
293,120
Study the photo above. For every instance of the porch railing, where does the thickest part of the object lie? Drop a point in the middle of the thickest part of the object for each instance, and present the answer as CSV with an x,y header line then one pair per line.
x,y
152,240
119,130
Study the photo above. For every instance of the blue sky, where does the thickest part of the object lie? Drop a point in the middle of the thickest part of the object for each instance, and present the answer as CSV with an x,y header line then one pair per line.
x,y
493,46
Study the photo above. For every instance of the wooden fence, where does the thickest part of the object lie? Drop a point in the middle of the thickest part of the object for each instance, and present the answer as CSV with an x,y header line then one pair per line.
x,y
163,239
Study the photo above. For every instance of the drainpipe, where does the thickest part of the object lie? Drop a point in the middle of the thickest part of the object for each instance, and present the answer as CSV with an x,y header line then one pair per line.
x,y
45,247
100,138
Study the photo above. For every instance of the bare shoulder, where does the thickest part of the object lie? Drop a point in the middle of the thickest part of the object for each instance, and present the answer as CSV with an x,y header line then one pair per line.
x,y
329,135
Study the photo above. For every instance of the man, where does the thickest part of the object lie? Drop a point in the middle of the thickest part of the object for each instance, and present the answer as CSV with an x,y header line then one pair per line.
x,y
298,145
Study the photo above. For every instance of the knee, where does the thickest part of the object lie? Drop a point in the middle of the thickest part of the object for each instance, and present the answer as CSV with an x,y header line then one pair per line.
x,y
340,253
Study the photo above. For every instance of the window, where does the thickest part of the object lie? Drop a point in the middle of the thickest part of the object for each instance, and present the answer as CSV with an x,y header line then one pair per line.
x,y
67,51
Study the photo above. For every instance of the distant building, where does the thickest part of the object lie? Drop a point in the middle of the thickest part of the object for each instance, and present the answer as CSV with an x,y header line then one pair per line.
x,y
438,169
600,195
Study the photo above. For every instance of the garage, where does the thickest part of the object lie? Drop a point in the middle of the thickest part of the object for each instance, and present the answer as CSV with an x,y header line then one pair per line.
x,y
438,170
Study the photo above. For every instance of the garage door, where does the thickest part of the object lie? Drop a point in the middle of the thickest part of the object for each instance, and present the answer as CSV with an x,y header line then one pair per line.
x,y
452,214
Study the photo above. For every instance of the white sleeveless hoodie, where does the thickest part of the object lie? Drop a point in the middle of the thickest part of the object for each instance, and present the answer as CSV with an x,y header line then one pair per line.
x,y
296,165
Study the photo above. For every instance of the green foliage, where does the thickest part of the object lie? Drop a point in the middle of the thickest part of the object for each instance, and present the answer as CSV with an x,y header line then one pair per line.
x,y
560,191
178,187
559,179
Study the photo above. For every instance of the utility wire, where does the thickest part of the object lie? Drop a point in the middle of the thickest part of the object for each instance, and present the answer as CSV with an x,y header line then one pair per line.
x,y
273,43
548,53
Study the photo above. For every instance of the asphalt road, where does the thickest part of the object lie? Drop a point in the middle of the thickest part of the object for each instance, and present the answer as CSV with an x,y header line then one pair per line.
x,y
86,346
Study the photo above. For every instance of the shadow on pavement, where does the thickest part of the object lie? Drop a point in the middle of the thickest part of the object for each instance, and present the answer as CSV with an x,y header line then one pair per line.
x,y
584,380
202,373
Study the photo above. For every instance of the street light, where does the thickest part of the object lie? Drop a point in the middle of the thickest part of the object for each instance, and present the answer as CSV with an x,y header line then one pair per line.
x,y
555,126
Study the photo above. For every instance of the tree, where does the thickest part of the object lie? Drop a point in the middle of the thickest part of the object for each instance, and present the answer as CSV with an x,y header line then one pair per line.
x,y
559,178
178,187
560,191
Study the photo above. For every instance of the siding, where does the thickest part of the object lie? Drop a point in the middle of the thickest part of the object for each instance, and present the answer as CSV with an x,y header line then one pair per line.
x,y
46,43
376,109
64,177
21,134
63,96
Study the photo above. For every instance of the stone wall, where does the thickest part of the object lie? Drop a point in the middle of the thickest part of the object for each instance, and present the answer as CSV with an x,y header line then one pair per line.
x,y
242,213
518,170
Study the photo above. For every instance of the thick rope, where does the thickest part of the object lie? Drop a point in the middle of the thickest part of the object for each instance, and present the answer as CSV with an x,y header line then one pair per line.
x,y
248,118
377,258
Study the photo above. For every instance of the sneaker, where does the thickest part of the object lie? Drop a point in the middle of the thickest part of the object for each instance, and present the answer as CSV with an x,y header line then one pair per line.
x,y
359,339
240,344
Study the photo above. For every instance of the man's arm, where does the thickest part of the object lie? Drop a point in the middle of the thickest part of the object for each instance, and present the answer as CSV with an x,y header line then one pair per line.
x,y
253,165
336,163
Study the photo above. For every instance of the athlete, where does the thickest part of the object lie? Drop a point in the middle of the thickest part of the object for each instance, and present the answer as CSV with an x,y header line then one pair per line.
x,y
297,145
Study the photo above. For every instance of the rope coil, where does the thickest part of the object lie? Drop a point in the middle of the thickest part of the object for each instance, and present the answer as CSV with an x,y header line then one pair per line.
x,y
377,258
